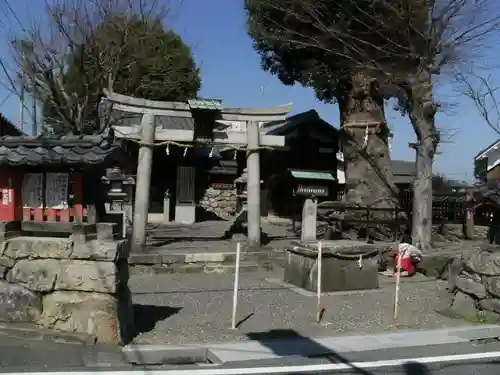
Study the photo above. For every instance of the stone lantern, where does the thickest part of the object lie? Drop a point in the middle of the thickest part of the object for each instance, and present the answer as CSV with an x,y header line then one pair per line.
x,y
119,207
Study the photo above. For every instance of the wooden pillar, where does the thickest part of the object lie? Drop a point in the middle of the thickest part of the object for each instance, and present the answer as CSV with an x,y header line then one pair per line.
x,y
10,199
77,179
17,186
253,184
144,166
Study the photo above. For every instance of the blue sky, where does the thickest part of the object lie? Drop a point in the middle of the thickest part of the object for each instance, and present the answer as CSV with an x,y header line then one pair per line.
x,y
230,71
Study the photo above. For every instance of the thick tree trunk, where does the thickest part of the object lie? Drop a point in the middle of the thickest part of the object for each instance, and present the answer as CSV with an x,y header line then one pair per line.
x,y
422,195
368,171
422,111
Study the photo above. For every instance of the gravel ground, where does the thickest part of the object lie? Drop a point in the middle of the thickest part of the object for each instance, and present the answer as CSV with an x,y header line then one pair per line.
x,y
189,309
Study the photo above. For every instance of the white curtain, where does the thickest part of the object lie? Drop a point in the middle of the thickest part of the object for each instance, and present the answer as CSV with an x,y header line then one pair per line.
x,y
56,190
32,190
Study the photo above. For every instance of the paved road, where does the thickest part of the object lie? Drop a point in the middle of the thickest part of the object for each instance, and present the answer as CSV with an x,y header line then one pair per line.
x,y
405,361
21,356
24,353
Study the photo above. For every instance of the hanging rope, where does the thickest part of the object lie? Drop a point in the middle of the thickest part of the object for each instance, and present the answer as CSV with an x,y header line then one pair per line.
x,y
192,145
365,140
344,256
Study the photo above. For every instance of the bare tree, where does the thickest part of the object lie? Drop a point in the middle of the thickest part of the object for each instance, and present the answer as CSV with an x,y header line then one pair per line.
x,y
399,45
483,93
84,46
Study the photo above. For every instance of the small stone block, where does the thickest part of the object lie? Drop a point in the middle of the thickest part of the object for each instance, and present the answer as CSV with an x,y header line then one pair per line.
x,y
102,251
10,226
106,231
80,232
9,229
204,257
94,314
18,304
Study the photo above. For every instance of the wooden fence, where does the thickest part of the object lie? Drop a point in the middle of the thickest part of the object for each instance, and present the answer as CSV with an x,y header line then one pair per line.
x,y
368,218
447,207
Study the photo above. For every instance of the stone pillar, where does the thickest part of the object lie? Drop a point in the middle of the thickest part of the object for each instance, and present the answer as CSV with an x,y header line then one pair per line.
x,y
145,161
309,214
468,219
253,185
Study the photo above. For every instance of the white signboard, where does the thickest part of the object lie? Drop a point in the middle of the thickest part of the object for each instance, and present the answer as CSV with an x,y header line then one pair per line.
x,y
5,197
32,190
56,190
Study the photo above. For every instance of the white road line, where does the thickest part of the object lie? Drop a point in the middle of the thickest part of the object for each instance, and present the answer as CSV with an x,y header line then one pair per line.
x,y
286,369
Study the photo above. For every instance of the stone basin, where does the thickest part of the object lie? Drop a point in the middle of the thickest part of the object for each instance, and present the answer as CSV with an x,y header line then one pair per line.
x,y
341,262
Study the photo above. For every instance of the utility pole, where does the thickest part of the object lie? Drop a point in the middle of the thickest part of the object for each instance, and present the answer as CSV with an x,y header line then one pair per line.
x,y
34,97
21,98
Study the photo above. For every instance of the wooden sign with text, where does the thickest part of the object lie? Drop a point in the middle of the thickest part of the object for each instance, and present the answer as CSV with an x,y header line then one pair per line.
x,y
222,186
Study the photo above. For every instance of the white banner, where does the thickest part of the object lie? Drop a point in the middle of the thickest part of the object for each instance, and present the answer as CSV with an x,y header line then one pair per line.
x,y
56,190
32,190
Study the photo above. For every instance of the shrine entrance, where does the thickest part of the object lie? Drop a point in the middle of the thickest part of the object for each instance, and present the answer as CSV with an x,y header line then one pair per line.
x,y
187,126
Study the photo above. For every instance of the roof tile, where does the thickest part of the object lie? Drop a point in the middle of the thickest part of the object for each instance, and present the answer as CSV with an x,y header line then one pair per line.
x,y
69,149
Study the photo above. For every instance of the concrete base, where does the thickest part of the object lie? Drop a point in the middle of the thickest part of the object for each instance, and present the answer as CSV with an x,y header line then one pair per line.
x,y
301,269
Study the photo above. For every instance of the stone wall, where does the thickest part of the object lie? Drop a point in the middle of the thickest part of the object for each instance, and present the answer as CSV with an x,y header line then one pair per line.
x,y
220,202
473,292
72,284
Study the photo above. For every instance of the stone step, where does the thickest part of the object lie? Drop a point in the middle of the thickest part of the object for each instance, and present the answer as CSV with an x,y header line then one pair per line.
x,y
245,266
200,257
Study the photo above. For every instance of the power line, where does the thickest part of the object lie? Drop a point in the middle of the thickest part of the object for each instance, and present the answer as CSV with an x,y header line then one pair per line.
x,y
14,14
5,99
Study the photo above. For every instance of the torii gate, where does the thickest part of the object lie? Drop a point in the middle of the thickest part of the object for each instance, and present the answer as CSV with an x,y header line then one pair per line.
x,y
147,133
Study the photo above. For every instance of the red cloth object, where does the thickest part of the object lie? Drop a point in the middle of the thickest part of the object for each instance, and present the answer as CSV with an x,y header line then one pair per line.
x,y
406,264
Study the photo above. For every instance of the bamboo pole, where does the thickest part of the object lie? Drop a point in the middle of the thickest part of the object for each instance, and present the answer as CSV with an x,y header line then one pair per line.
x,y
398,279
236,284
318,286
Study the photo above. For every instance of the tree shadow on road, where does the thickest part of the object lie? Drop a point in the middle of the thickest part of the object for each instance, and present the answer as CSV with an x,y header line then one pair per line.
x,y
289,343
146,316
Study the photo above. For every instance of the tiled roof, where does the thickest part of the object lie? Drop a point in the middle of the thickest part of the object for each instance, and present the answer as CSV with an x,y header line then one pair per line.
x,y
57,150
404,167
282,127
404,171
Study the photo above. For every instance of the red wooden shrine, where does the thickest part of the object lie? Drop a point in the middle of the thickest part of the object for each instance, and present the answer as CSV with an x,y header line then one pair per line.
x,y
73,156
13,208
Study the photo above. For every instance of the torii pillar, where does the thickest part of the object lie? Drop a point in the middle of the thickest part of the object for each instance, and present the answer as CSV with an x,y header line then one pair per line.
x,y
253,185
144,166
